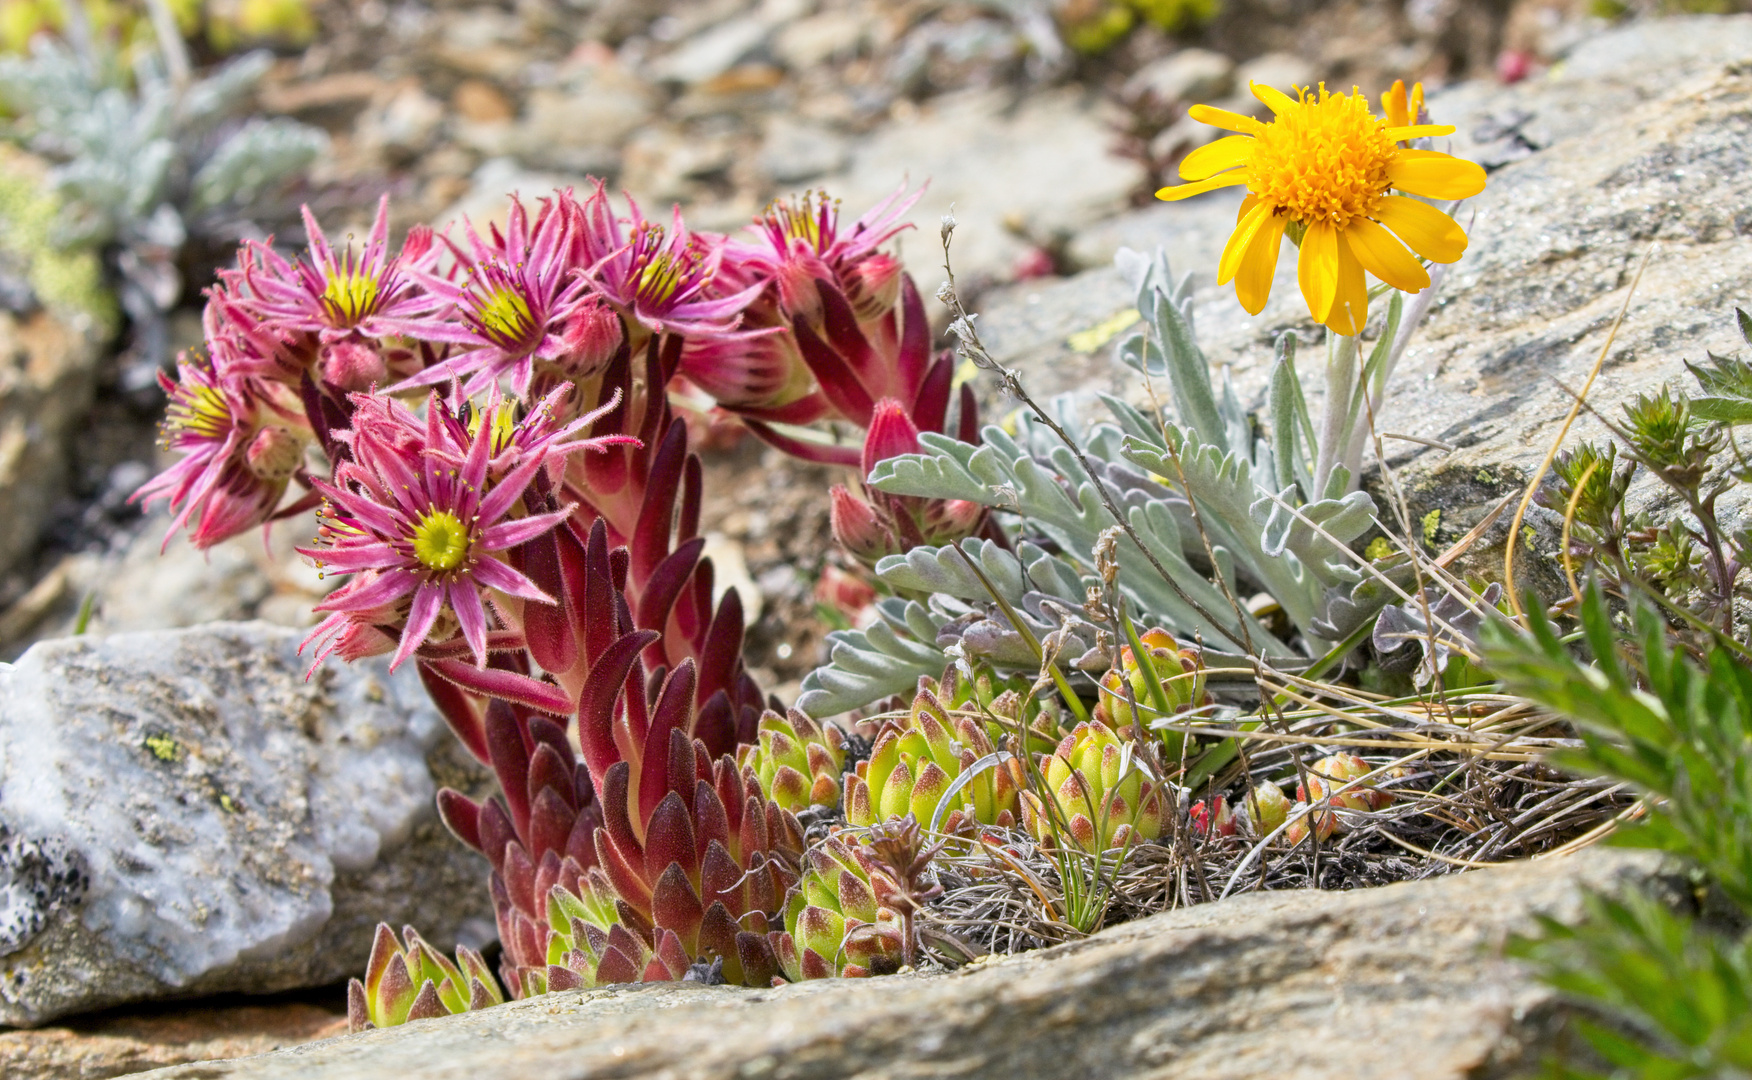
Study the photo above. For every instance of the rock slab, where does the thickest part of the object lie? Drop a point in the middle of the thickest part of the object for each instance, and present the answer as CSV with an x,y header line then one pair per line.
x,y
184,813
1401,981
1637,145
97,1048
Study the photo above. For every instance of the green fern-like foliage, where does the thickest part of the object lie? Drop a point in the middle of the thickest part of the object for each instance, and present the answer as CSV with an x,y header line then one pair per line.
x,y
1675,995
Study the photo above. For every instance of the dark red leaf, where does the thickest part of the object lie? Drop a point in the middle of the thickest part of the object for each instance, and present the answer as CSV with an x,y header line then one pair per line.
x,y
460,710
462,816
669,839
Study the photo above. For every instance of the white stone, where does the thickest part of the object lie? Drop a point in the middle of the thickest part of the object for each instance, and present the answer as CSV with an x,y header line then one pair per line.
x,y
811,42
1045,167
184,812
712,53
1190,75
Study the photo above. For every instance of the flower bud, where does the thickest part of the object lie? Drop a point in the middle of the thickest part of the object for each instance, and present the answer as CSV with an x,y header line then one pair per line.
x,y
858,528
590,339
873,286
845,593
275,453
351,364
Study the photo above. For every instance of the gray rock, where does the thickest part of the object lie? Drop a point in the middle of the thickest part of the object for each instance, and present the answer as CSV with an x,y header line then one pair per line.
x,y
576,125
153,586
1187,75
183,813
713,52
795,151
1624,153
1042,168
1402,981
402,128
661,162
1285,71
831,35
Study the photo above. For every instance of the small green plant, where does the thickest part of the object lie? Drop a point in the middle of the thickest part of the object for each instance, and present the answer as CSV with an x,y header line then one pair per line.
x,y
143,160
1678,994
1691,564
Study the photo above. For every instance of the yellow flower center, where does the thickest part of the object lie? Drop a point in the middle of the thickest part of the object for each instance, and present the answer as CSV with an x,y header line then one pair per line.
x,y
800,218
660,277
440,540
349,296
203,412
505,314
1324,159
504,421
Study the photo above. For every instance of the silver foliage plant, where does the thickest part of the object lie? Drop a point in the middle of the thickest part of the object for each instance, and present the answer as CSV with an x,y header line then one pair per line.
x,y
140,158
1218,504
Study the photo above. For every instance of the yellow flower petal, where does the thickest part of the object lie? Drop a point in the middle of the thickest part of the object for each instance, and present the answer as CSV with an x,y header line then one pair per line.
x,y
1385,257
1183,191
1435,176
1317,268
1275,100
1238,241
1223,118
1247,206
1393,105
1213,158
1426,230
1350,307
1403,132
1259,264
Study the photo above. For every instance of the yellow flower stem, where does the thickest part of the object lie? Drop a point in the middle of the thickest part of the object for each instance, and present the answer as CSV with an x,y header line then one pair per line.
x,y
1336,412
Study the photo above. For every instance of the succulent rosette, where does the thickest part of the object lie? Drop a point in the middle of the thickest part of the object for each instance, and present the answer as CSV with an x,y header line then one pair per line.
x,y
1319,807
1267,807
1171,675
836,924
644,830
1101,797
796,760
410,980
916,759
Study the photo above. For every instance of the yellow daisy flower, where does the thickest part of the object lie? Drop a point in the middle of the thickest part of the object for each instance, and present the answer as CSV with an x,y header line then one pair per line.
x,y
1325,169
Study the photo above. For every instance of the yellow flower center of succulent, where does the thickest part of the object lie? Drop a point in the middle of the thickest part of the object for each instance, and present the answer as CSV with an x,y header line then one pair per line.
x,y
505,314
440,540
203,412
503,420
659,278
800,218
349,296
1324,159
